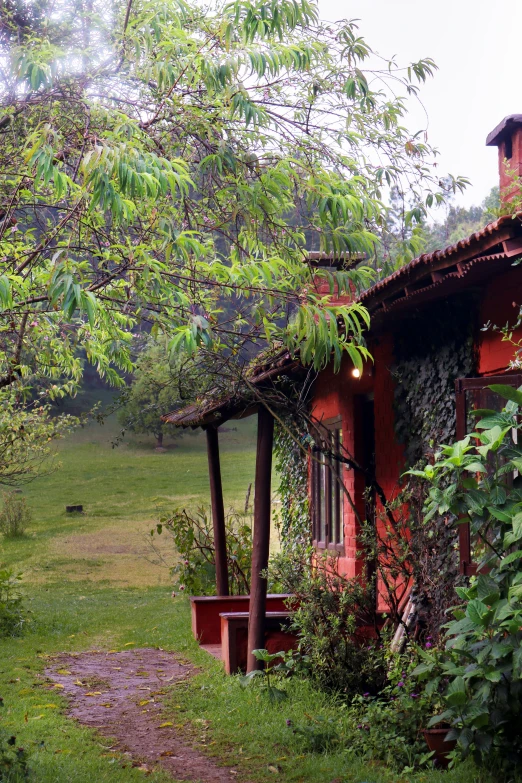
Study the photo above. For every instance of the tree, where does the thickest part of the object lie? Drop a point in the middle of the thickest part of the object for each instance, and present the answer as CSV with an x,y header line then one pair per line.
x,y
148,164
27,435
460,222
159,386
167,162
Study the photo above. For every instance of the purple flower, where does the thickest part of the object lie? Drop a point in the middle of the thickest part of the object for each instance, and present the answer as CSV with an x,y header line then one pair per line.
x,y
288,722
414,695
400,684
360,726
428,645
366,694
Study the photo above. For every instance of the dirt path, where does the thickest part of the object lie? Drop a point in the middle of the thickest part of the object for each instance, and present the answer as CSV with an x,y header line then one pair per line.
x,y
120,695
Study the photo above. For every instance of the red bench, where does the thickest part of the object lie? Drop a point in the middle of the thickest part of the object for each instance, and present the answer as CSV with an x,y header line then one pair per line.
x,y
206,611
234,635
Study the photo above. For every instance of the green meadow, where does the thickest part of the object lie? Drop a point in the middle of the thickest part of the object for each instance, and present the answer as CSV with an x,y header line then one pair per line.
x,y
91,581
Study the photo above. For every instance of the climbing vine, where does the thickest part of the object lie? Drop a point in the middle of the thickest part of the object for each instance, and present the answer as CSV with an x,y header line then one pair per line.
x,y
293,515
431,351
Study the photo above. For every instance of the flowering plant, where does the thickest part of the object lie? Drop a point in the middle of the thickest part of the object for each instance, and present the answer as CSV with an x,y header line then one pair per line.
x,y
387,727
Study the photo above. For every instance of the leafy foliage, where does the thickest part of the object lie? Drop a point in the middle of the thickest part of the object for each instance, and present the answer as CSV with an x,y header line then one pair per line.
x,y
291,463
272,663
477,479
193,536
159,386
27,433
157,161
387,727
430,353
12,614
14,515
334,619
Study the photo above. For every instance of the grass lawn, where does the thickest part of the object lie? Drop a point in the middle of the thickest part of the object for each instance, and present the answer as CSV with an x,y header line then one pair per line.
x,y
90,584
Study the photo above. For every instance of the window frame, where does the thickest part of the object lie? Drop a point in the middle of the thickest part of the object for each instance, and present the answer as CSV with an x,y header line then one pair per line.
x,y
331,543
462,385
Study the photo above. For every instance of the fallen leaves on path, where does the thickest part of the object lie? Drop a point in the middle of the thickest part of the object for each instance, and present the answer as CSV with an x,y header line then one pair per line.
x,y
138,732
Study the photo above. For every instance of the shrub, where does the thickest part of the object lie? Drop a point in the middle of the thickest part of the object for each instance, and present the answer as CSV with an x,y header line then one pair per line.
x,y
14,515
387,727
334,619
478,480
193,535
12,615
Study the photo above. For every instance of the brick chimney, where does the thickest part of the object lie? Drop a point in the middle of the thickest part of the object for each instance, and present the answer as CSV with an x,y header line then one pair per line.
x,y
507,136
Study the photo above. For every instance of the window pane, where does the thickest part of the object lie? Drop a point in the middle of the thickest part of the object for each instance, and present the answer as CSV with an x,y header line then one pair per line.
x,y
334,488
322,498
341,491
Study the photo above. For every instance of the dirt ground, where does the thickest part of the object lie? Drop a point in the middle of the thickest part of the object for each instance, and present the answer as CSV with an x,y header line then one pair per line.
x,y
120,693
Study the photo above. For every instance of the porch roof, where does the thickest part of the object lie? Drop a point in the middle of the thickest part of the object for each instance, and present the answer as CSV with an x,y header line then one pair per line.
x,y
241,402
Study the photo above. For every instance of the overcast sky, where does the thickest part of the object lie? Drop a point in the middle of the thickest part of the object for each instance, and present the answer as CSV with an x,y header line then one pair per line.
x,y
476,44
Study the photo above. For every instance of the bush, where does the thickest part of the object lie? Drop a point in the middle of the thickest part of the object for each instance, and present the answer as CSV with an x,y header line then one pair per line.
x,y
14,515
478,480
193,536
12,615
334,619
388,727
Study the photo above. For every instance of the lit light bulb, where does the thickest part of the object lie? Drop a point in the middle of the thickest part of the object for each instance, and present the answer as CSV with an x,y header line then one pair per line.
x,y
356,372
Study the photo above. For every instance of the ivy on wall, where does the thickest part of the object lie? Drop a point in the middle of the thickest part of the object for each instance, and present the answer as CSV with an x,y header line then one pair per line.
x,y
293,516
431,351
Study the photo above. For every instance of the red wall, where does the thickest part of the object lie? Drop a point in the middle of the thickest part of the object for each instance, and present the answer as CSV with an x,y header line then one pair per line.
x,y
500,305
333,396
335,392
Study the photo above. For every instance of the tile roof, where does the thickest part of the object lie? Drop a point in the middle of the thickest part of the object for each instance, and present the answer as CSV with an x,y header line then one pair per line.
x,y
426,263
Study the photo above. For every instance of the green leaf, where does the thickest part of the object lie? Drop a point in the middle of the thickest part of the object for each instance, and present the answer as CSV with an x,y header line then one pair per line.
x,y
478,613
507,392
456,694
487,589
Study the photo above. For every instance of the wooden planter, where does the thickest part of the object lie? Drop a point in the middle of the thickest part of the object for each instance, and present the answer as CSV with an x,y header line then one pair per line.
x,y
436,741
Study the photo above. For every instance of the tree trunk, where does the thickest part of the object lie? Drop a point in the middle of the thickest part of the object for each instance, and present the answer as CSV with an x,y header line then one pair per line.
x,y
159,440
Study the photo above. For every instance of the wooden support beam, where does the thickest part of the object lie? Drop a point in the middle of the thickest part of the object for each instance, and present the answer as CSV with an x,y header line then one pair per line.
x,y
218,511
261,541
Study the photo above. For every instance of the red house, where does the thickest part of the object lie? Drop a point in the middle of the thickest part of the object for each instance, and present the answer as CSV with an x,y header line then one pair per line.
x,y
434,307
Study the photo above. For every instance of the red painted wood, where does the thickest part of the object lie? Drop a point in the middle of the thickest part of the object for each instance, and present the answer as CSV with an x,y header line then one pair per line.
x,y
206,610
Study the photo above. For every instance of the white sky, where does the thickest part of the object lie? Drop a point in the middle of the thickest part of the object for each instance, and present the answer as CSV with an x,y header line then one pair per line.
x,y
476,44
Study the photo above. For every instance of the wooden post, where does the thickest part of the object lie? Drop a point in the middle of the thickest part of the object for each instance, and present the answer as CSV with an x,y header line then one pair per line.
x,y
261,542
218,511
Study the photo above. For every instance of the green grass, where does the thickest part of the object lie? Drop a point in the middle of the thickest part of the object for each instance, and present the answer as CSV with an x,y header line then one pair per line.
x,y
89,585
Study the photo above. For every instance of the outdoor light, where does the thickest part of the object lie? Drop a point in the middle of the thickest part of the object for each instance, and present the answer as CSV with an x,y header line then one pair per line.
x,y
356,372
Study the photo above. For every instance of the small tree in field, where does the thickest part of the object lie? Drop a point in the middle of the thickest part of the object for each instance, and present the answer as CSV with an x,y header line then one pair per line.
x,y
158,387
